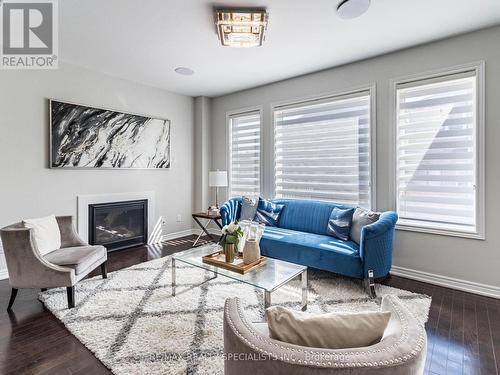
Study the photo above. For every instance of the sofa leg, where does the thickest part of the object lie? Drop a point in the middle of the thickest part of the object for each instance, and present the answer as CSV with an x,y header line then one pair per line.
x,y
370,285
104,270
13,295
71,296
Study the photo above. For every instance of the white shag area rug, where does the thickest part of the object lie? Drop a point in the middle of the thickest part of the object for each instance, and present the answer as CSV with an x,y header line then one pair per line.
x,y
133,324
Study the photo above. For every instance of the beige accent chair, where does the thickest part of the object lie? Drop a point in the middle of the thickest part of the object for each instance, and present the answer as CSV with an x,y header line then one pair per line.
x,y
63,267
249,350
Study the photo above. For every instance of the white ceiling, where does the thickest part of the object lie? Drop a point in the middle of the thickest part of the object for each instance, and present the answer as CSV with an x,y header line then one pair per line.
x,y
145,40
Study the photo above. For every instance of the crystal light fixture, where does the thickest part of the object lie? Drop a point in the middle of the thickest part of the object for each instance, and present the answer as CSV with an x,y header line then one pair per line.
x,y
241,27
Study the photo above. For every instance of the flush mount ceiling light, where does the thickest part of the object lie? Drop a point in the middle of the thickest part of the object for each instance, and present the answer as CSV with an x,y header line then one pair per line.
x,y
348,9
241,27
184,71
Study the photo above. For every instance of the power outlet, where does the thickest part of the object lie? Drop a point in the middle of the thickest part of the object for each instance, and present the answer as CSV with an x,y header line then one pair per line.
x,y
179,218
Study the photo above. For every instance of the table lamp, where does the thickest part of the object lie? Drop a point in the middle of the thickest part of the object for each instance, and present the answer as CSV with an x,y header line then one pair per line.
x,y
217,179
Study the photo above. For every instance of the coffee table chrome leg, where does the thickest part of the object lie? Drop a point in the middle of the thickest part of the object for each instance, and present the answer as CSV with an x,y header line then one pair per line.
x,y
173,277
303,278
267,299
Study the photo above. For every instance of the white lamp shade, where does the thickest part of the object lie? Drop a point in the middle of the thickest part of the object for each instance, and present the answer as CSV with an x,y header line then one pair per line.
x,y
217,178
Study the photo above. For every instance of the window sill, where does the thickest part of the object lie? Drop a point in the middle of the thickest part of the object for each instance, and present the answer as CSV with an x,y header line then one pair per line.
x,y
442,232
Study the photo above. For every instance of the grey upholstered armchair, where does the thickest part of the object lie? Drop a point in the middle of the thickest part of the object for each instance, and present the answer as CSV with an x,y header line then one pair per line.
x,y
63,267
249,350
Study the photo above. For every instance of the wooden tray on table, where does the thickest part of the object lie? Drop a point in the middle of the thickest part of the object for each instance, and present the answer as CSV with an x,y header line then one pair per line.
x,y
218,259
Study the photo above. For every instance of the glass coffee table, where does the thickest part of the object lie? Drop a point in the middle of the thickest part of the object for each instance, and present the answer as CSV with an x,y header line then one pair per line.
x,y
268,277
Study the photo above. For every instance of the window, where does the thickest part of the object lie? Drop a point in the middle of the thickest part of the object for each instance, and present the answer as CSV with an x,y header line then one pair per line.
x,y
437,154
322,149
244,154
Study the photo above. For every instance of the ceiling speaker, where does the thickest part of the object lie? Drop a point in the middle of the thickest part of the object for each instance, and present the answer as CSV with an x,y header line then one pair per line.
x,y
348,9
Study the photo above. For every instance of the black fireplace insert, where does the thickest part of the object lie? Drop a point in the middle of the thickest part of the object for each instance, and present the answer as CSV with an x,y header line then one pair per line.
x,y
118,225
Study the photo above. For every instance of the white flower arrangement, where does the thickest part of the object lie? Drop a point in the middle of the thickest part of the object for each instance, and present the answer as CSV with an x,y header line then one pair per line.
x,y
231,233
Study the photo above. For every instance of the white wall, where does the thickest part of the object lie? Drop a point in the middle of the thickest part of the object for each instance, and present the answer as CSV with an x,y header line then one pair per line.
x,y
472,261
28,188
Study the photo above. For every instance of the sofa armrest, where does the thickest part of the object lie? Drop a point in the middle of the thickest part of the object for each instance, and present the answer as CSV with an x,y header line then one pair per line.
x,y
230,211
69,237
376,245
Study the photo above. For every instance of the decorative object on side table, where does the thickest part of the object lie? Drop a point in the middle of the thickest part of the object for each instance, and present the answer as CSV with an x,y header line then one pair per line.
x,y
217,179
231,235
212,210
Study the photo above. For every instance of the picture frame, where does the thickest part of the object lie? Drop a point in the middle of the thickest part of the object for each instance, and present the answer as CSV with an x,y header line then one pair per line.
x,y
89,137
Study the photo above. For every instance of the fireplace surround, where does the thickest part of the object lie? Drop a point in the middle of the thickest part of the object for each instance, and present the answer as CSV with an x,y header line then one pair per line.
x,y
118,225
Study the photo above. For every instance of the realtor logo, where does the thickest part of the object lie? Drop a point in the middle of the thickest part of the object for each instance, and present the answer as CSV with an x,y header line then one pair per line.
x,y
29,34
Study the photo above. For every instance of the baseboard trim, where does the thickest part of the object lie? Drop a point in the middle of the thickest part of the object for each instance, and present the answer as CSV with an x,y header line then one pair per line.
x,y
182,233
4,274
448,282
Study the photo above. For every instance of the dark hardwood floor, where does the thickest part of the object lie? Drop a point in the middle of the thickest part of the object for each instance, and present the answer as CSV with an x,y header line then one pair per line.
x,y
463,329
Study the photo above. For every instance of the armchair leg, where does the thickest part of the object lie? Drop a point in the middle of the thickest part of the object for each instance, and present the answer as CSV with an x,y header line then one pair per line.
x,y
370,285
13,295
71,296
104,270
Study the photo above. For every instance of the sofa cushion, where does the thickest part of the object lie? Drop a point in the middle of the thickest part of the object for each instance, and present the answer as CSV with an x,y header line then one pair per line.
x,y
79,258
306,215
313,250
268,213
339,224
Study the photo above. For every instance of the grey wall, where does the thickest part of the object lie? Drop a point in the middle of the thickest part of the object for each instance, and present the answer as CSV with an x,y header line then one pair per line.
x,y
202,151
29,189
471,260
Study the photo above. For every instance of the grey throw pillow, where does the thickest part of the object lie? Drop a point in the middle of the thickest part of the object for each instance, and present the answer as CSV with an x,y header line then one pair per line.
x,y
361,217
248,208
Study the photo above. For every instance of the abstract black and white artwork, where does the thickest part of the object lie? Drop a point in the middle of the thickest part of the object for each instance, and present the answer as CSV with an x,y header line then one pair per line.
x,y
87,137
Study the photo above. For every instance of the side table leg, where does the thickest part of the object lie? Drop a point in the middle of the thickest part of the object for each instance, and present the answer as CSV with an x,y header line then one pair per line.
x,y
203,230
173,277
303,278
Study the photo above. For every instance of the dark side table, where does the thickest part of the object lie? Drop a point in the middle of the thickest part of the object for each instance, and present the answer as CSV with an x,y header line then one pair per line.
x,y
209,217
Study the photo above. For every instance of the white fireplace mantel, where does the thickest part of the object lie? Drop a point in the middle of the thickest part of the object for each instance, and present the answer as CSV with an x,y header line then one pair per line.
x,y
83,202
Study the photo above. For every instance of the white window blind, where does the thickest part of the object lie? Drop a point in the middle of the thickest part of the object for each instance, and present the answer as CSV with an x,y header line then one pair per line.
x,y
244,154
322,150
436,153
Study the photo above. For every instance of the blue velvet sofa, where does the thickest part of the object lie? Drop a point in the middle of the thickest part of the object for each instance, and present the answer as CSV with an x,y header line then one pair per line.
x,y
301,237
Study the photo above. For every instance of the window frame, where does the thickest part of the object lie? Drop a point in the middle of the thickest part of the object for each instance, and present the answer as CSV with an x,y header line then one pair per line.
x,y
371,91
242,111
477,68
